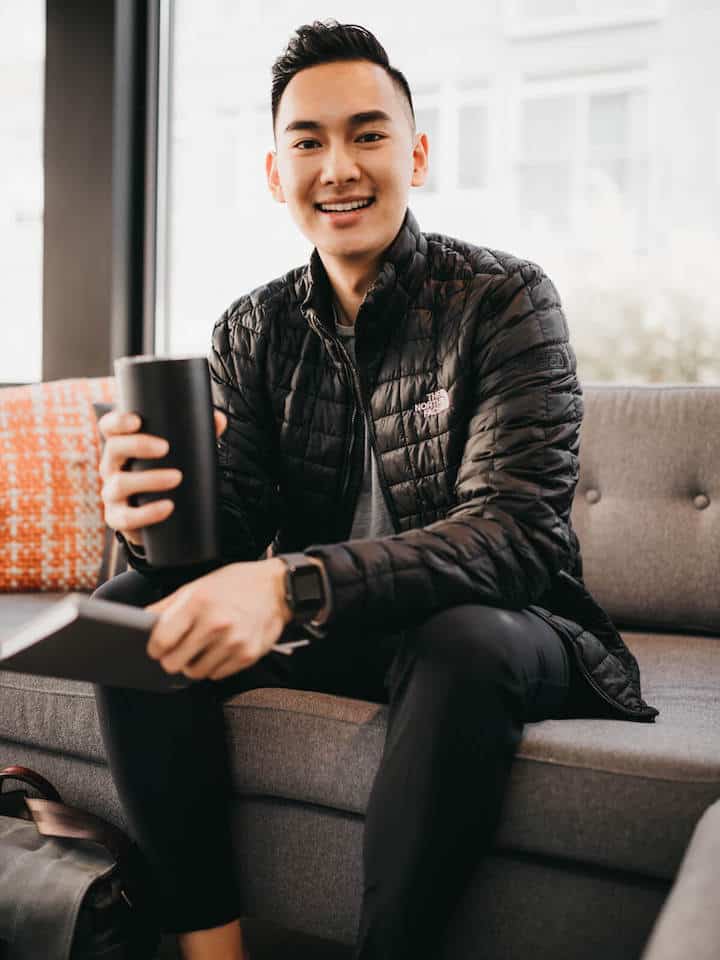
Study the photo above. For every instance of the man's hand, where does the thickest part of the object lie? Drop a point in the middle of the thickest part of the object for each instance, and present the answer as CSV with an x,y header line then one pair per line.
x,y
122,441
222,622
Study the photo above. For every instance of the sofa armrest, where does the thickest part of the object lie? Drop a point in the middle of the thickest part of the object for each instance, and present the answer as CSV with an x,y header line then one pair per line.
x,y
689,923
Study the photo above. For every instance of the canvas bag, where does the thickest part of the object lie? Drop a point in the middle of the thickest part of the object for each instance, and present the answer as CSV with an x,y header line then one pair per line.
x,y
72,885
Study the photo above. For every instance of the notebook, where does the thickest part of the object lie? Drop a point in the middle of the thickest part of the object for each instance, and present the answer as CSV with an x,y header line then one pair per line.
x,y
77,637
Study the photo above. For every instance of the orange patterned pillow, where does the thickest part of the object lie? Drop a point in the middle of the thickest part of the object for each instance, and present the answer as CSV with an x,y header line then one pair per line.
x,y
52,526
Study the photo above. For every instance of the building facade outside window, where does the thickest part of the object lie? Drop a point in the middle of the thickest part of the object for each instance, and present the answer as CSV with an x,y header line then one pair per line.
x,y
584,136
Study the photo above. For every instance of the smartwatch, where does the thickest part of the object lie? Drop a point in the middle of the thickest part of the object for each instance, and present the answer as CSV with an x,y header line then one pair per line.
x,y
306,587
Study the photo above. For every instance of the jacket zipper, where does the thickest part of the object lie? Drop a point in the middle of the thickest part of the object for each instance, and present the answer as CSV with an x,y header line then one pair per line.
x,y
315,324
347,460
371,436
347,465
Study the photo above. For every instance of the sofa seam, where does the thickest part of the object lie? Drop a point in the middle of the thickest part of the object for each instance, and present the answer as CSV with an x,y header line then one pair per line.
x,y
624,773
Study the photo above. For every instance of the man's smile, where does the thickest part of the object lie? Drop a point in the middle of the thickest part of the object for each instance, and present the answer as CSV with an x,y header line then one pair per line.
x,y
347,203
345,211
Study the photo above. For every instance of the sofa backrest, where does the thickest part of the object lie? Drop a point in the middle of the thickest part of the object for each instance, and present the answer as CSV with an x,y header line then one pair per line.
x,y
647,504
646,508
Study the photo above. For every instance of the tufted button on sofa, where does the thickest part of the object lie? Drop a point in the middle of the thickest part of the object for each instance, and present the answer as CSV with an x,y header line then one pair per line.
x,y
599,813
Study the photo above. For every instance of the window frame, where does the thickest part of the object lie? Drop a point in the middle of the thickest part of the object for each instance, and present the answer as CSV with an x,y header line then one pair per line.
x,y
519,26
100,146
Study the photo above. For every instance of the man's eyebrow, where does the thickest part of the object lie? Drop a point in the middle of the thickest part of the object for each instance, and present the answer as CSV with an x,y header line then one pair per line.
x,y
355,120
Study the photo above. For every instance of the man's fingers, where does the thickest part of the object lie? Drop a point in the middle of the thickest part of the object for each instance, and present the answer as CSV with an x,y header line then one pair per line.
x,y
115,421
120,516
194,644
208,662
123,446
220,422
124,483
171,628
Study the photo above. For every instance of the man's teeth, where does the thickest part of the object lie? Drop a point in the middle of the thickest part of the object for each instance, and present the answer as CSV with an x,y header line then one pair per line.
x,y
344,207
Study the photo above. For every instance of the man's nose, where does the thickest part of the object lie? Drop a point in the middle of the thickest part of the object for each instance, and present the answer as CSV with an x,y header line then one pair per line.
x,y
339,166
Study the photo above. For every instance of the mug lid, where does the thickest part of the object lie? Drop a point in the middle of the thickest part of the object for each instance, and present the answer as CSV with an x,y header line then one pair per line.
x,y
155,358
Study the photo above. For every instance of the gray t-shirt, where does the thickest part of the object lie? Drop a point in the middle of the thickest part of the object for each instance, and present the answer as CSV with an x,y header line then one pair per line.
x,y
371,514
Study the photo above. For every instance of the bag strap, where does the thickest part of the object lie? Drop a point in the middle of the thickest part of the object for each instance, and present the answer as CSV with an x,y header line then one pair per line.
x,y
31,777
60,820
56,819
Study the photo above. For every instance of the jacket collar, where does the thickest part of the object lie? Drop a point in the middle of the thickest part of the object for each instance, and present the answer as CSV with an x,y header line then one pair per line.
x,y
398,280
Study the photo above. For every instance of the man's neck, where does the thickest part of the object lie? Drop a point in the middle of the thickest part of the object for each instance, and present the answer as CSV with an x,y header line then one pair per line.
x,y
350,284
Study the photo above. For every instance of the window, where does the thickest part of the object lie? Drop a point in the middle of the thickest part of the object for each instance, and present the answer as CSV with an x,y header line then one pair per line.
x,y
22,61
588,149
548,159
582,150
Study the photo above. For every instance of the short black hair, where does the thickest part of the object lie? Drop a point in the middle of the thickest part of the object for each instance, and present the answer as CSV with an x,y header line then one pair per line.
x,y
327,41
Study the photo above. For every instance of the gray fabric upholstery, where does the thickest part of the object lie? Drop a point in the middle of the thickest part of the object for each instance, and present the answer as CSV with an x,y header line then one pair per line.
x,y
301,866
646,504
599,813
324,750
689,926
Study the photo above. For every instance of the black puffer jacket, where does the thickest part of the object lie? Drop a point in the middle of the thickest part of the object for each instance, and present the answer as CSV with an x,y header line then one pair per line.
x,y
475,409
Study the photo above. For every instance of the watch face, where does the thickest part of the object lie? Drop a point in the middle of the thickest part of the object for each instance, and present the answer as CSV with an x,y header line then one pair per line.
x,y
307,586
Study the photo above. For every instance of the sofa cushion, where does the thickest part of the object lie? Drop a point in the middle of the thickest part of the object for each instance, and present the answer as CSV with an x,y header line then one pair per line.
x,y
51,522
616,793
646,505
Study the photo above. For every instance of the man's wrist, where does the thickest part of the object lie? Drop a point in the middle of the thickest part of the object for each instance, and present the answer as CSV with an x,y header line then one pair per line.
x,y
278,568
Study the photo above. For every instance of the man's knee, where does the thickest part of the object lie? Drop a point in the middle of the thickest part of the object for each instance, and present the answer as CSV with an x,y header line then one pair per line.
x,y
471,638
130,587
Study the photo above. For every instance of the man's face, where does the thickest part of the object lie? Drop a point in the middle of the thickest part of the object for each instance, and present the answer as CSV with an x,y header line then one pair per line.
x,y
328,153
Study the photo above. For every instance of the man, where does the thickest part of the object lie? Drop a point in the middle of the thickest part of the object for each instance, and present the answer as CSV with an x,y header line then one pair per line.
x,y
401,418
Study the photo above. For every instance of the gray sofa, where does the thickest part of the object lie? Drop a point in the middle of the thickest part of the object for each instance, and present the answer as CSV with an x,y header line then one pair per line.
x,y
599,813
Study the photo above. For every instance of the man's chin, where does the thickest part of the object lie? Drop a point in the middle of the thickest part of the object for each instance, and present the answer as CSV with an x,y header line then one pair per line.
x,y
350,253
358,247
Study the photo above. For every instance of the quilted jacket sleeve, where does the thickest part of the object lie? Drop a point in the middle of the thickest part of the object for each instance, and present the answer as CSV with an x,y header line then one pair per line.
x,y
507,533
249,489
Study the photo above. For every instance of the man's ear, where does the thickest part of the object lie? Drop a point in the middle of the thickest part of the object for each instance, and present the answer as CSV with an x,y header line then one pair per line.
x,y
273,177
420,160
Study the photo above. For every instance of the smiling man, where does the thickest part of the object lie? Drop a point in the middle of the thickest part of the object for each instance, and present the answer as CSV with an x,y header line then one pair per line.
x,y
400,418
343,165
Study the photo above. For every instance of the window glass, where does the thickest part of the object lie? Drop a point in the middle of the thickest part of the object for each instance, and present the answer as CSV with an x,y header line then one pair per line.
x,y
593,152
473,149
22,67
547,160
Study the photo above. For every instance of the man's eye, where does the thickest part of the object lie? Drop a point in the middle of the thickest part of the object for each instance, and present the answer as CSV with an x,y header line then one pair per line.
x,y
378,135
301,142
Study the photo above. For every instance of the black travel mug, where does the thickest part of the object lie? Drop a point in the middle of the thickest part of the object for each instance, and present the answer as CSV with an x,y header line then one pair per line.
x,y
172,397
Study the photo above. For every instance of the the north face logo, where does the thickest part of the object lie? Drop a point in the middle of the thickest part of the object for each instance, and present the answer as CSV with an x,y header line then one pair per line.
x,y
435,403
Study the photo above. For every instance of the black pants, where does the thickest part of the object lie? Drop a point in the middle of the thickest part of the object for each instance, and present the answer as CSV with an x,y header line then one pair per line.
x,y
459,687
